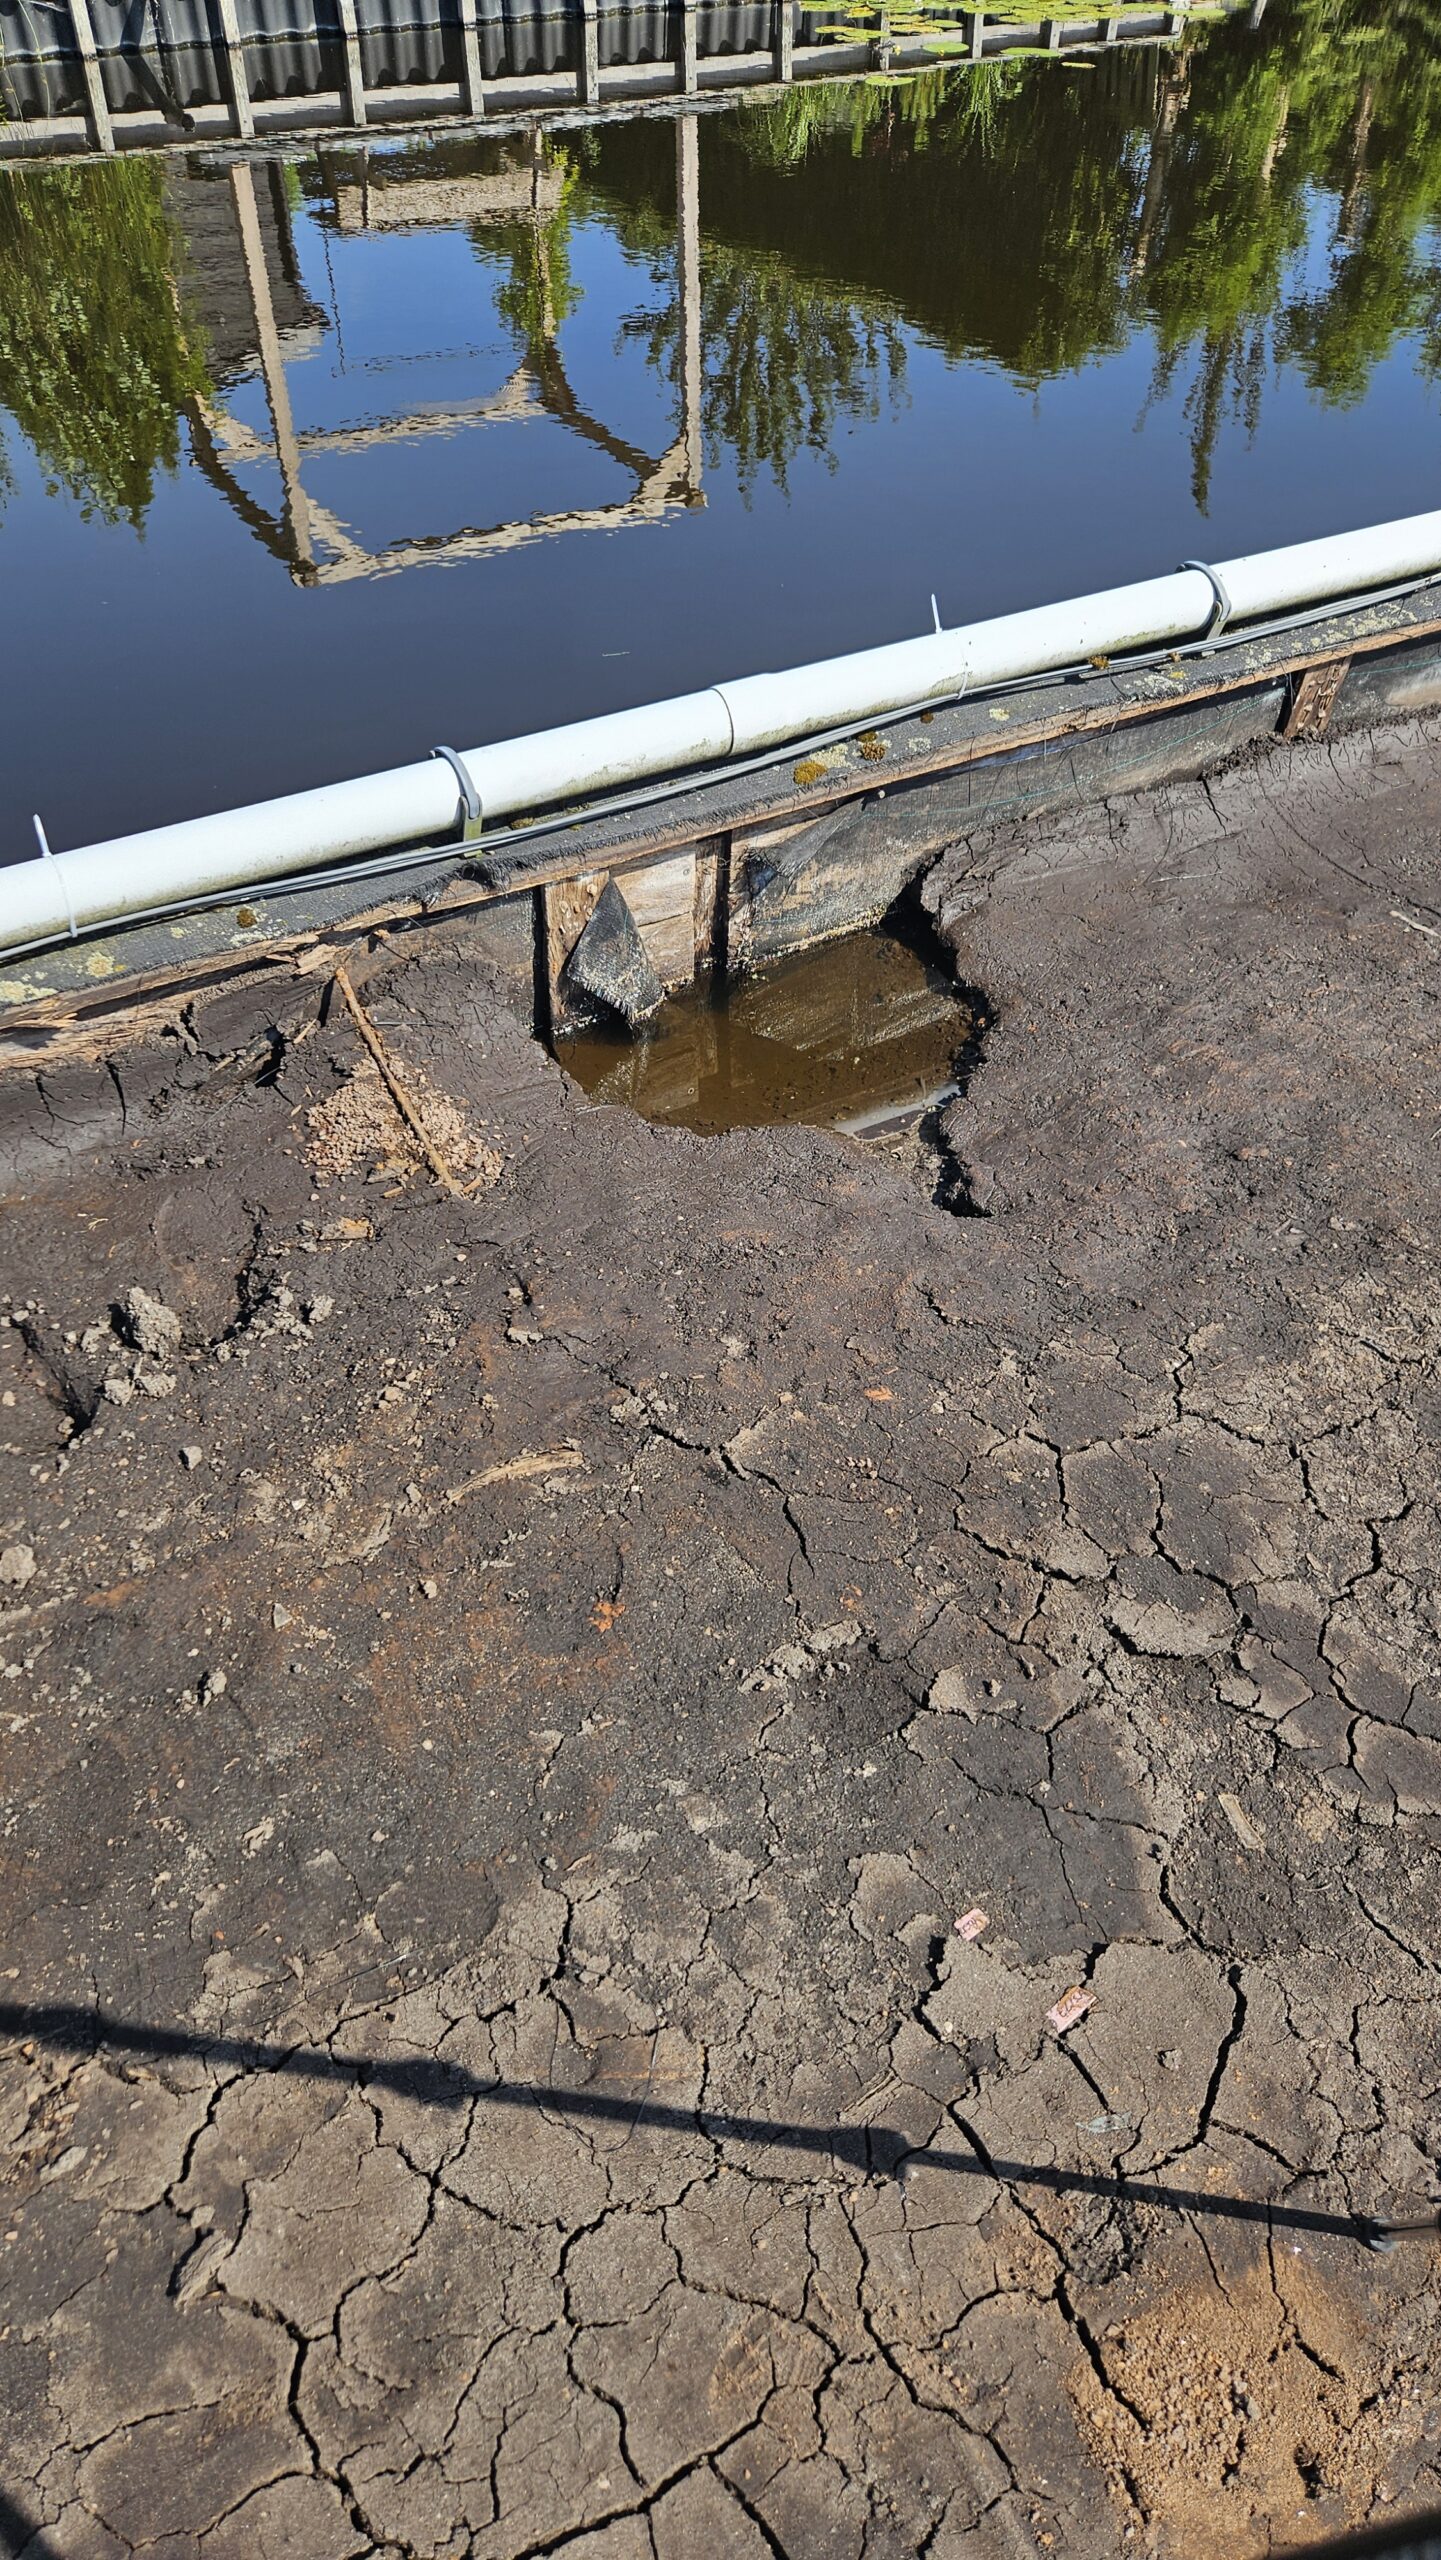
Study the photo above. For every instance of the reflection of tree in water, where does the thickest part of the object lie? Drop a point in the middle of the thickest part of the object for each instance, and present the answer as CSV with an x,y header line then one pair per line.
x,y
97,357
785,356
1254,199
1251,200
783,361
540,291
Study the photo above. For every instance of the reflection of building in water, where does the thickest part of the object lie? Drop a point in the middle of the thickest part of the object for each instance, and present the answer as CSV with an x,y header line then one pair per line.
x,y
319,547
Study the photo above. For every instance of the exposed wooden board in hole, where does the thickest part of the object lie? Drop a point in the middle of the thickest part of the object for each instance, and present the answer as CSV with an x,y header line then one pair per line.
x,y
708,911
1313,699
566,907
661,897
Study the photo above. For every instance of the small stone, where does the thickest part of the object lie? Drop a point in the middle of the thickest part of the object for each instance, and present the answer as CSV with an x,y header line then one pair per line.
x,y
318,1309
1170,2060
17,1567
117,1390
8,1397
191,1456
280,1616
150,1324
155,1382
213,1686
429,1588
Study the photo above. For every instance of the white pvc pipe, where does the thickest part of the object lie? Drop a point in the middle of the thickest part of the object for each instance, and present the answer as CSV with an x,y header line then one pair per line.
x,y
241,848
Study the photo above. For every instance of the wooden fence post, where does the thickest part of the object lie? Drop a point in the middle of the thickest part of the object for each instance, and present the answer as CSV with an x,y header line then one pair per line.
x,y
241,117
97,111
472,78
783,40
589,53
354,91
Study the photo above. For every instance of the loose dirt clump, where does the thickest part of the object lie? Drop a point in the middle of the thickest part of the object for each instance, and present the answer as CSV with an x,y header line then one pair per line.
x,y
360,1124
1241,2419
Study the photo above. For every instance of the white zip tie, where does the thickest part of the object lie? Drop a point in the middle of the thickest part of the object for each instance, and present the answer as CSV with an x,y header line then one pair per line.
x,y
54,860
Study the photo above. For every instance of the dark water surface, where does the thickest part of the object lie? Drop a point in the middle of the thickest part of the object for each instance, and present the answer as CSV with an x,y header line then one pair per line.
x,y
305,467
859,1034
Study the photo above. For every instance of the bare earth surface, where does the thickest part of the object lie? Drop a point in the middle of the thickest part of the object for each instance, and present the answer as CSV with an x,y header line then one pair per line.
x,y
504,1705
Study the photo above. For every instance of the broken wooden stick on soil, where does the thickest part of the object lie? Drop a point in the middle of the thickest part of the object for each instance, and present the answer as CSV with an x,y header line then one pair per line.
x,y
403,1101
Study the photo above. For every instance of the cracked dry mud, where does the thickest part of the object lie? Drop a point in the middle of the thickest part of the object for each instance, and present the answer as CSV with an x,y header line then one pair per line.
x,y
503,1718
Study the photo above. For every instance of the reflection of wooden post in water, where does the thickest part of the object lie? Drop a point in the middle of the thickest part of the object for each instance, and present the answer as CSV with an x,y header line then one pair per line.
x,y
687,225
97,112
1168,114
472,77
267,339
241,120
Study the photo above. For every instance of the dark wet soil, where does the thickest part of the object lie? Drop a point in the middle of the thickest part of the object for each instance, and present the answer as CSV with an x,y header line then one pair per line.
x,y
504,1702
861,1035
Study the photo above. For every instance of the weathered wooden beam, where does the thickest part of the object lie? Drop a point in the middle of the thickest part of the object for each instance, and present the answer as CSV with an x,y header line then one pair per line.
x,y
1314,697
589,53
354,70
783,39
97,106
689,49
472,78
241,116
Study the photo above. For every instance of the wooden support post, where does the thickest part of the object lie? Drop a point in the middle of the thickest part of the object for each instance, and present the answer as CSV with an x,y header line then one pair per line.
x,y
97,111
687,228
783,38
354,91
589,53
565,911
1314,695
241,118
689,48
472,78
1051,34
1111,30
1175,21
976,34
267,340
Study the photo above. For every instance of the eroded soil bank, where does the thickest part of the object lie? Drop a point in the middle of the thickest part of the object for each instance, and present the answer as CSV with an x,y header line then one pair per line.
x,y
505,1704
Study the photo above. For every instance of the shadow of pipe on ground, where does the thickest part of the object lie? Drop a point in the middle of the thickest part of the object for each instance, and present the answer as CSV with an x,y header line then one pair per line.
x,y
874,2150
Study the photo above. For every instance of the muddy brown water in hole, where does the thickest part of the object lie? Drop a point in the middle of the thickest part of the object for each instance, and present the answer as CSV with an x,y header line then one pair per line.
x,y
859,1035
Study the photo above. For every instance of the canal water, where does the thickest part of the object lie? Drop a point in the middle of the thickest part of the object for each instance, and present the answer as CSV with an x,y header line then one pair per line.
x,y
310,463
